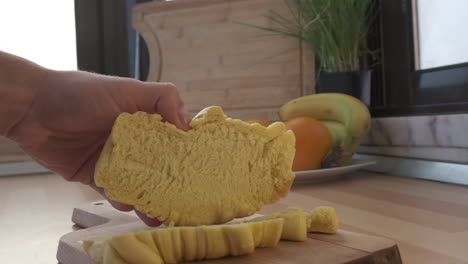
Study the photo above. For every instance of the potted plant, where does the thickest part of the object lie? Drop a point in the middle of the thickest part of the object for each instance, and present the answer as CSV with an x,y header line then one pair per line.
x,y
336,32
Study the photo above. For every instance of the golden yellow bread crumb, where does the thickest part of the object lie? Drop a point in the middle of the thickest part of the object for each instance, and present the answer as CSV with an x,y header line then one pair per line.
x,y
179,244
219,170
295,223
323,219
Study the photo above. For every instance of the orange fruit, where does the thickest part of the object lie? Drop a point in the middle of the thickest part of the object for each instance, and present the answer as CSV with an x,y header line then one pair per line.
x,y
258,121
313,142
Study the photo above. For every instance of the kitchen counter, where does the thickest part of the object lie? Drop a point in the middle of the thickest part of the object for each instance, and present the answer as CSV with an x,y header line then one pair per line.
x,y
429,220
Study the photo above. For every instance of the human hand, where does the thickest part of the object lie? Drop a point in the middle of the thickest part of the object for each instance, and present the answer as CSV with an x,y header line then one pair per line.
x,y
72,115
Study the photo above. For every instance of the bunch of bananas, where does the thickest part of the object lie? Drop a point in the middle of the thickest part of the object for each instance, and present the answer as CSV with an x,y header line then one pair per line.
x,y
347,119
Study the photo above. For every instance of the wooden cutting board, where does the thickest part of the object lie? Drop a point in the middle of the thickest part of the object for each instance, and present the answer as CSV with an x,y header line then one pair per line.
x,y
100,219
207,51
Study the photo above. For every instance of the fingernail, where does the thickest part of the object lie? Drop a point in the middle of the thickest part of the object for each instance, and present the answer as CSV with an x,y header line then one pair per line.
x,y
185,119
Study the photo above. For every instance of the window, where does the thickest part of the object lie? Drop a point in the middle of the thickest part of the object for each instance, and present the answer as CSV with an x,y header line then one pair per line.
x,y
41,31
106,41
440,38
406,88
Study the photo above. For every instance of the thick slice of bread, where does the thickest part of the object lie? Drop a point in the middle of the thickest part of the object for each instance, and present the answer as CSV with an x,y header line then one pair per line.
x,y
221,169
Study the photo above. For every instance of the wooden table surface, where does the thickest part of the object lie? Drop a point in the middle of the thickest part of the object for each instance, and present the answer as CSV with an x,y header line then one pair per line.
x,y
428,219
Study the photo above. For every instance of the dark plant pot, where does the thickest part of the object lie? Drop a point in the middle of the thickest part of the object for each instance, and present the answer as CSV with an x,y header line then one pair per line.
x,y
356,84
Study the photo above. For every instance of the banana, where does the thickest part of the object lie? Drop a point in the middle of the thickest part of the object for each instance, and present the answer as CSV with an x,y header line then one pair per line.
x,y
338,132
346,117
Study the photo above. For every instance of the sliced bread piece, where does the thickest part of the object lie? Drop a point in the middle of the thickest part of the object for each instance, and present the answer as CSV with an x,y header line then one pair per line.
x,y
295,223
323,219
178,244
219,170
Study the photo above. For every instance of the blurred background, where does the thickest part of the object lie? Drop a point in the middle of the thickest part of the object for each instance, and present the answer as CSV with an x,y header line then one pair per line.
x,y
412,70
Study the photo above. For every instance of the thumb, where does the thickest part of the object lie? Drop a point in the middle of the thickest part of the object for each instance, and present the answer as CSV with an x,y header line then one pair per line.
x,y
164,99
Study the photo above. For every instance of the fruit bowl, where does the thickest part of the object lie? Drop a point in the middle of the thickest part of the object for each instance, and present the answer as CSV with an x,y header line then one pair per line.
x,y
328,174
346,119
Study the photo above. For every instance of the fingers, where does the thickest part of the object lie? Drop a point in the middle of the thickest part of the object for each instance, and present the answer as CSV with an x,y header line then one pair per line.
x,y
152,222
116,205
185,117
169,104
120,206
